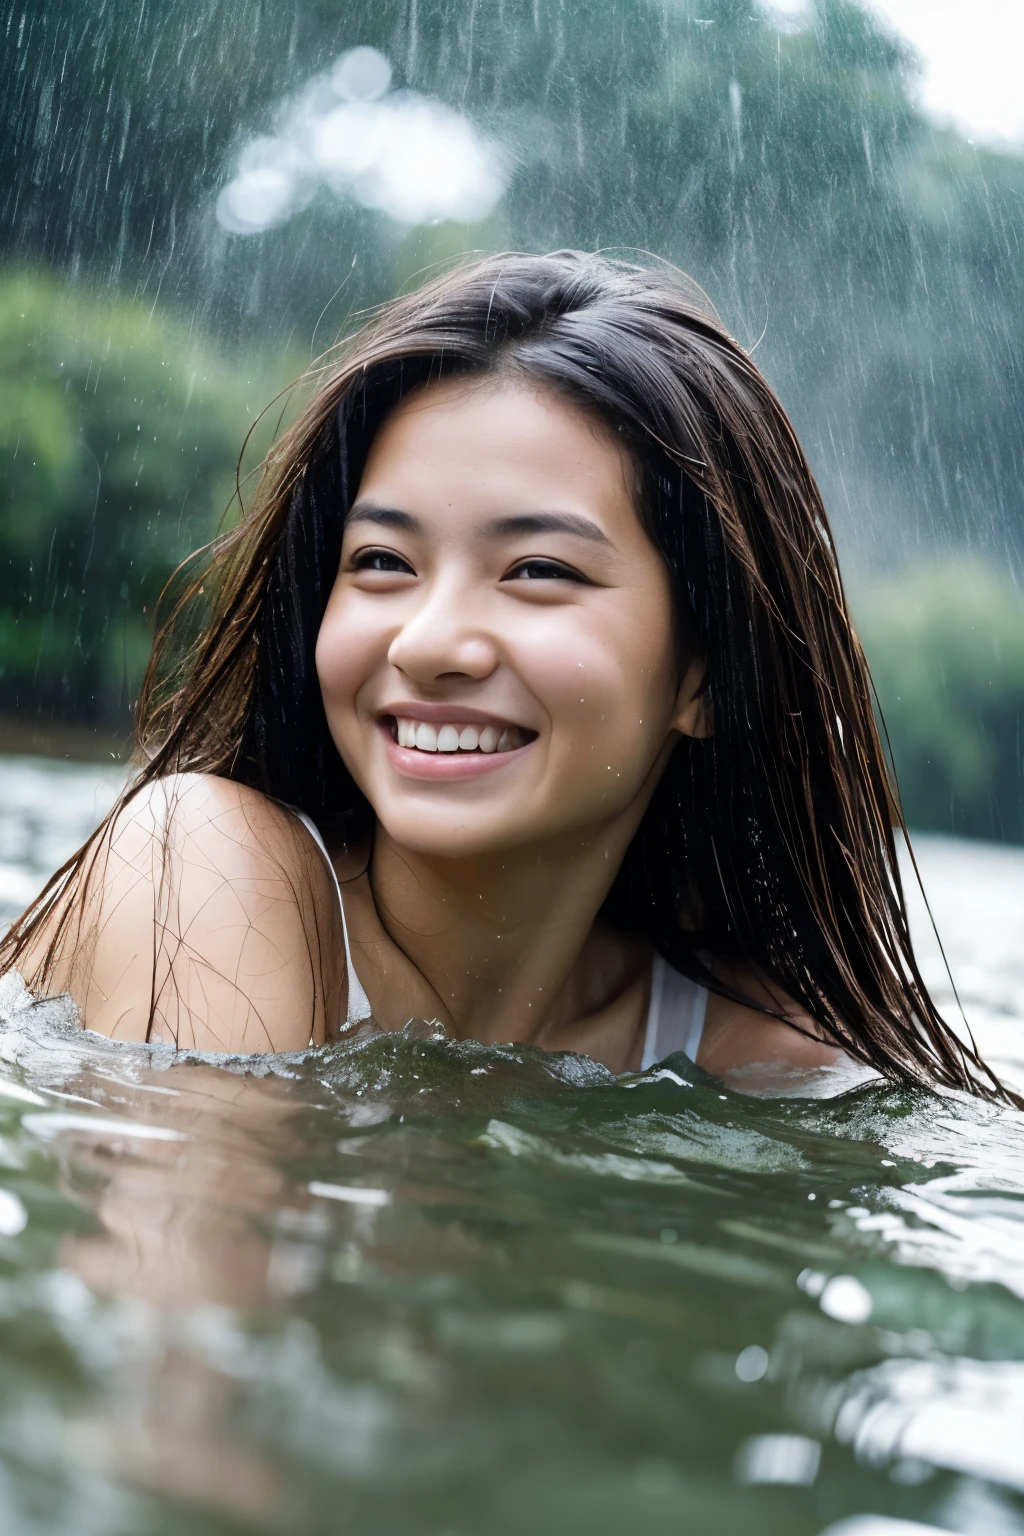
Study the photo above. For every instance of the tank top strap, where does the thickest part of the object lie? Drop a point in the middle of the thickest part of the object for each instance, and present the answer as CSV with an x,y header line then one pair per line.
x,y
675,1018
358,1002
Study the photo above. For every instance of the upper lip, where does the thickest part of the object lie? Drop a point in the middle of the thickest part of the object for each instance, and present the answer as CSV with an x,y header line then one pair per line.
x,y
448,714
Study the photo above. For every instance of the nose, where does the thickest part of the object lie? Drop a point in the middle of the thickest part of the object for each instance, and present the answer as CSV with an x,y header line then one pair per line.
x,y
443,638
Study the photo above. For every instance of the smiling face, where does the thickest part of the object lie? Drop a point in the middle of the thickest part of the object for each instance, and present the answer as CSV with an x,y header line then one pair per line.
x,y
498,659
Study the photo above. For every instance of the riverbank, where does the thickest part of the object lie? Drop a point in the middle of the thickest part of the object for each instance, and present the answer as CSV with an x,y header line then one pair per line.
x,y
21,736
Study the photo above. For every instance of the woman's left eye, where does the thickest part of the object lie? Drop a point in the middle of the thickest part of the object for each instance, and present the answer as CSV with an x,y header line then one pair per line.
x,y
543,570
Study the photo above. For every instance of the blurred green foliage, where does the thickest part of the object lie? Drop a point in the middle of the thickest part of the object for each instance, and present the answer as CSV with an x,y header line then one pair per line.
x,y
946,647
120,435
872,258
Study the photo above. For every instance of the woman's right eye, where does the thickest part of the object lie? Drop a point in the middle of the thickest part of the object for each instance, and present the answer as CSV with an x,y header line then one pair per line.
x,y
381,560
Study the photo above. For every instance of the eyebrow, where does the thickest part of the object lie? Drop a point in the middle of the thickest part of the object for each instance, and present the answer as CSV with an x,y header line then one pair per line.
x,y
502,527
384,517
549,522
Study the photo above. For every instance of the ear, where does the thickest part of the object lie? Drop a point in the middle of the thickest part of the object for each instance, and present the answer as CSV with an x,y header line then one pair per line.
x,y
693,715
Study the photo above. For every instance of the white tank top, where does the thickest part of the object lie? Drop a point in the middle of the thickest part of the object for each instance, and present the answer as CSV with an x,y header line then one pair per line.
x,y
675,1017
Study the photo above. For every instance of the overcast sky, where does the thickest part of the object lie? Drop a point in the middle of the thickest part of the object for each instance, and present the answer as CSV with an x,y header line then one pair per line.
x,y
972,52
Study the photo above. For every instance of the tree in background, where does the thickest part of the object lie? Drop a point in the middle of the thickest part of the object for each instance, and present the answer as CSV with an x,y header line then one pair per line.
x,y
787,169
121,433
946,643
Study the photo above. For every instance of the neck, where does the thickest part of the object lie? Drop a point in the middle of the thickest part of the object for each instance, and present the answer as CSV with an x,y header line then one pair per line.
x,y
506,941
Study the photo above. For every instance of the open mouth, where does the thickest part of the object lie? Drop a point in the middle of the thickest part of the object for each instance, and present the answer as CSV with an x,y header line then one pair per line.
x,y
456,736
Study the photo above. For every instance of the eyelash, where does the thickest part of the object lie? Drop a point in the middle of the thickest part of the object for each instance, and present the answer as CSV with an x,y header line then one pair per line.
x,y
366,558
554,570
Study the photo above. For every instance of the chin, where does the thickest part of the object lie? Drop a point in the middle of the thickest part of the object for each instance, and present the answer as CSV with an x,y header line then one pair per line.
x,y
430,838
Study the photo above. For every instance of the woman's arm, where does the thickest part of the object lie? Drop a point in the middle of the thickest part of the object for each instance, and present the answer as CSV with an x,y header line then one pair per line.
x,y
206,917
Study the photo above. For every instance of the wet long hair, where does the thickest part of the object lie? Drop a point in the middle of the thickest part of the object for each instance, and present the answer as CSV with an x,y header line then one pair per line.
x,y
772,841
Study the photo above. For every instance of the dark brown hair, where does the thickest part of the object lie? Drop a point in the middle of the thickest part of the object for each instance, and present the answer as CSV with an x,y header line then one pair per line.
x,y
772,840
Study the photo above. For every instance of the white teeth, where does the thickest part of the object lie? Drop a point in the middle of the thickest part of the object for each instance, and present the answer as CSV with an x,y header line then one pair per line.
x,y
420,736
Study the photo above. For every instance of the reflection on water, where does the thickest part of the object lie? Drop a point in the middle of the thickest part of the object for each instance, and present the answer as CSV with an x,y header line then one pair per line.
x,y
406,1285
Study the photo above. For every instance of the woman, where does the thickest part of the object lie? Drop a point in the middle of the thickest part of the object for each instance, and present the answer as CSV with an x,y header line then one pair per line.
x,y
536,629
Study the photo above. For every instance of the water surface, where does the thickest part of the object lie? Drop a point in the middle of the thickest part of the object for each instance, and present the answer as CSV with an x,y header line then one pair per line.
x,y
406,1285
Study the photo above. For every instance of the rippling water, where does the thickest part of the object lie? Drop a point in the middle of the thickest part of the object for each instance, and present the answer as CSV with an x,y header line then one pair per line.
x,y
405,1285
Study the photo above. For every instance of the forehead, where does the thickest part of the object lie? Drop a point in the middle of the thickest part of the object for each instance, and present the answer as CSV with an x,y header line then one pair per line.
x,y
498,445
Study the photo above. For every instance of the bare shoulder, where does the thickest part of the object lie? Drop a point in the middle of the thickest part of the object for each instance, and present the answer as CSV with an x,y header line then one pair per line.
x,y
737,1036
206,916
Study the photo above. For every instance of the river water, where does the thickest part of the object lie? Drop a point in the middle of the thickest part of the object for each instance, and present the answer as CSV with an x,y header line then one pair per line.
x,y
408,1286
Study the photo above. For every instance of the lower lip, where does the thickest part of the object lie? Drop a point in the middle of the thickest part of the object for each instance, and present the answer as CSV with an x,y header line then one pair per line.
x,y
413,764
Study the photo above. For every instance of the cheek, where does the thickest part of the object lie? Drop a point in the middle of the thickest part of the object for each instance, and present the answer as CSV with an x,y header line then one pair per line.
x,y
609,684
346,650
